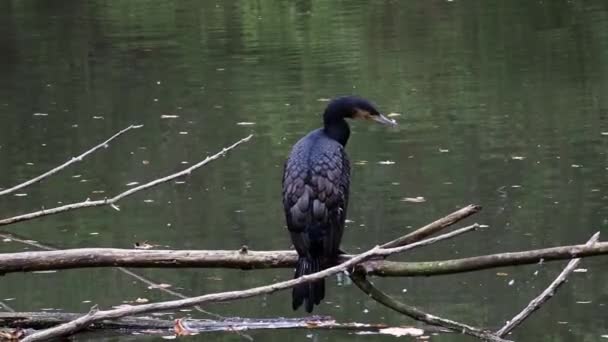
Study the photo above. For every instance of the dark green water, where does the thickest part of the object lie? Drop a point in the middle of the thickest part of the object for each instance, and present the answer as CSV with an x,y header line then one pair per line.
x,y
502,103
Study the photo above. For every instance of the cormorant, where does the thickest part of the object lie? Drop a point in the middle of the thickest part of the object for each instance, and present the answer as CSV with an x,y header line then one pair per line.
x,y
316,181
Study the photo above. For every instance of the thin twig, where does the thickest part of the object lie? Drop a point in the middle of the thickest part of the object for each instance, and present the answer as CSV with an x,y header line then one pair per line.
x,y
67,163
536,303
112,201
434,227
95,315
366,286
128,272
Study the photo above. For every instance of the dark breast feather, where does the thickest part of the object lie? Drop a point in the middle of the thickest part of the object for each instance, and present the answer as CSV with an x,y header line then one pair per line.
x,y
315,197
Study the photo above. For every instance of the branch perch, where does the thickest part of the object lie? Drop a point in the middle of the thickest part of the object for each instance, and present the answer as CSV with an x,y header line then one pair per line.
x,y
67,163
112,201
95,315
114,257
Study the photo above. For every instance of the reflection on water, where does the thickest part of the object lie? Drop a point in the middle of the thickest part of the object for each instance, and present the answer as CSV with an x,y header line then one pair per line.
x,y
499,104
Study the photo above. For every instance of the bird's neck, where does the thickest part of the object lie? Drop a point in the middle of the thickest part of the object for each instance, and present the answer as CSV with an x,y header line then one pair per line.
x,y
337,130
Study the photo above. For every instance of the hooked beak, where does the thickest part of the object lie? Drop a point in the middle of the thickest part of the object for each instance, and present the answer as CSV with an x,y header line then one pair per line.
x,y
384,120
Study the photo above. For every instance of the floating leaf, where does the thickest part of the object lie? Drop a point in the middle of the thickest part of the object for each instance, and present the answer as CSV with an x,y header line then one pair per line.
x,y
402,332
418,199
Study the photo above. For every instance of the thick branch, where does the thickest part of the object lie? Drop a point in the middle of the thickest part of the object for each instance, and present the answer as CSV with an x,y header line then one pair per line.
x,y
536,303
94,315
417,314
112,257
430,268
67,163
112,201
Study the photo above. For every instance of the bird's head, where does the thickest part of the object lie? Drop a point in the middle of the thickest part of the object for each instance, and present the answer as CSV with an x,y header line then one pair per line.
x,y
353,107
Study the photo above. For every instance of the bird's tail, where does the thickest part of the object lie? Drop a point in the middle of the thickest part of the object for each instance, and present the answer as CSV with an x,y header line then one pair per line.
x,y
308,293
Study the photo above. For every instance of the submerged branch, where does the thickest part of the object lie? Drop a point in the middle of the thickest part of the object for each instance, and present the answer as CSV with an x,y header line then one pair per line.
x,y
536,303
112,201
94,315
67,163
366,286
44,320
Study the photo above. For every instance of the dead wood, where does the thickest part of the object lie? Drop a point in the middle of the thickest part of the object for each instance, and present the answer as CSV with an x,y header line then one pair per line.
x,y
366,286
250,260
95,315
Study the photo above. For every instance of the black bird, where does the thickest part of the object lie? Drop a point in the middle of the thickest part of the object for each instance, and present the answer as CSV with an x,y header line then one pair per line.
x,y
316,180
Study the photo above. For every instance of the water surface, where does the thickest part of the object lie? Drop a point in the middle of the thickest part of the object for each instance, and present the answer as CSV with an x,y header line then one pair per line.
x,y
501,104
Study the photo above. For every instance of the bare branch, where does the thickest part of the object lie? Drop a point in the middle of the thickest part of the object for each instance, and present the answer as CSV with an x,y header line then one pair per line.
x,y
94,316
113,257
128,272
112,201
434,227
430,268
536,303
67,163
366,286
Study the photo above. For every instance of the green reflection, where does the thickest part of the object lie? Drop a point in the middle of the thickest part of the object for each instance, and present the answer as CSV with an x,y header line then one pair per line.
x,y
501,103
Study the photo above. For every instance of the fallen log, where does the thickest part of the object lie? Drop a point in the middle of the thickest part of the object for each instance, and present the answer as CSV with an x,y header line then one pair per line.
x,y
150,325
